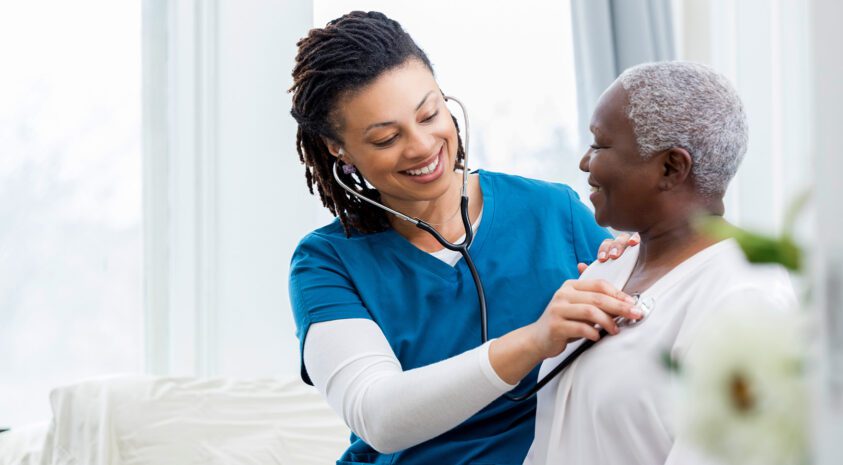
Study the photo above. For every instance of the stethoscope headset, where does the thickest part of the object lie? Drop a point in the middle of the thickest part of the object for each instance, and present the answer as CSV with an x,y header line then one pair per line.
x,y
462,247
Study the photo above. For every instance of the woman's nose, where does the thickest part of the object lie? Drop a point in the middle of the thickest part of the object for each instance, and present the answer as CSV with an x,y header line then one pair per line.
x,y
420,144
586,159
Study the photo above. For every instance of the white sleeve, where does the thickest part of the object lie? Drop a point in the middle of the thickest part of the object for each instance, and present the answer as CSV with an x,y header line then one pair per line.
x,y
351,363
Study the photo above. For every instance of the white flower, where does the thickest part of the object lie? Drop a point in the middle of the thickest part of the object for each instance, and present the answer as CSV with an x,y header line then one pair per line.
x,y
745,393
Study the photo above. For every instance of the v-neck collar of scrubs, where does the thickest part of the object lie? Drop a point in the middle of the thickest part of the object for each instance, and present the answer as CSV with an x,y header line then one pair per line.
x,y
484,229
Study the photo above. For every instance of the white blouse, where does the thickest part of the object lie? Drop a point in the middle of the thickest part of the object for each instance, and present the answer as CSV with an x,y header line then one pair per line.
x,y
613,404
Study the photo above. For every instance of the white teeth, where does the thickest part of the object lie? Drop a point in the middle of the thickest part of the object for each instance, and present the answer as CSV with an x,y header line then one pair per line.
x,y
595,189
425,170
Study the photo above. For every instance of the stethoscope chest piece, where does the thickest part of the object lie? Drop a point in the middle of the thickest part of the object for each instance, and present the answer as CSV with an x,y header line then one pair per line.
x,y
645,304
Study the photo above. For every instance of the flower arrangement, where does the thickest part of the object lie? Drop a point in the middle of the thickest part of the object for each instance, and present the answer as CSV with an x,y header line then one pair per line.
x,y
744,390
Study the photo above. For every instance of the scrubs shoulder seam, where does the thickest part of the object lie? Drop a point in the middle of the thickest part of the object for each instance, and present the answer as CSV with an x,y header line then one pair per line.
x,y
572,238
341,267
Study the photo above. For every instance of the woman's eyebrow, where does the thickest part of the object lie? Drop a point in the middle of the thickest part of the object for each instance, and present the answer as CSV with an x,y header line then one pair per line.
x,y
389,123
423,100
378,125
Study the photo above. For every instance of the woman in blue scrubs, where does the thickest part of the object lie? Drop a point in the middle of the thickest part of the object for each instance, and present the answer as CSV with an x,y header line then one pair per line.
x,y
387,320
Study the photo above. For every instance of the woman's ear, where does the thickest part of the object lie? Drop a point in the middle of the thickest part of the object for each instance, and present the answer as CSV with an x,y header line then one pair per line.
x,y
334,147
677,163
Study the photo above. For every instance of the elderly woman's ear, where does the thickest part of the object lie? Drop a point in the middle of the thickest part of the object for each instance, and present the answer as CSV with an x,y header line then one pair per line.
x,y
677,163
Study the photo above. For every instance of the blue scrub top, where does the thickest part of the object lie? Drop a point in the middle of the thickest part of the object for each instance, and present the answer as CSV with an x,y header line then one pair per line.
x,y
531,237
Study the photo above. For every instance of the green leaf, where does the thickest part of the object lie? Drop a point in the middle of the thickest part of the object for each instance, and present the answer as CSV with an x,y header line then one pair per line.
x,y
757,247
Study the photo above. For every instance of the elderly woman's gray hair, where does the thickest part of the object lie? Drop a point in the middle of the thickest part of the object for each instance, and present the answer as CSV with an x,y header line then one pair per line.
x,y
688,105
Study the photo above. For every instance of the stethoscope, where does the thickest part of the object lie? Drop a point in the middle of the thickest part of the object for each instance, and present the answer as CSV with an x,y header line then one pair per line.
x,y
462,248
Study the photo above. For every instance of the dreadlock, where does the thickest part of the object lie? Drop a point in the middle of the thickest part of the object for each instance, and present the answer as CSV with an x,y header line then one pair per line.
x,y
346,55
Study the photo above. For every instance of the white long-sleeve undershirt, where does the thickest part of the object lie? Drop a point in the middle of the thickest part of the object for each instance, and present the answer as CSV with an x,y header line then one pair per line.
x,y
351,363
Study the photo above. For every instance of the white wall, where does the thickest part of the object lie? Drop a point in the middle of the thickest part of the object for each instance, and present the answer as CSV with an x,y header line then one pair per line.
x,y
225,200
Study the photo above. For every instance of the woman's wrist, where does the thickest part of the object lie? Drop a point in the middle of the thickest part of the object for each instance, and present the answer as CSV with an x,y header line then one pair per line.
x,y
515,354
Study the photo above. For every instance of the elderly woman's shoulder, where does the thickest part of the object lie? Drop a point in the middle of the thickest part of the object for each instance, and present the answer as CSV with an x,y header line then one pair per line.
x,y
736,277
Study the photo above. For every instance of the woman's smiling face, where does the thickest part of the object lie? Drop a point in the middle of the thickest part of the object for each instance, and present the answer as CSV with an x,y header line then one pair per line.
x,y
624,184
399,134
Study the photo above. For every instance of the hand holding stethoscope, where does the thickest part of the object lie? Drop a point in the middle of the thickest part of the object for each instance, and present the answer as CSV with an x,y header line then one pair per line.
x,y
578,306
587,311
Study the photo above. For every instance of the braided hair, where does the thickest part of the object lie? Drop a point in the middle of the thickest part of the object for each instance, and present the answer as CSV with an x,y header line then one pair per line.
x,y
346,55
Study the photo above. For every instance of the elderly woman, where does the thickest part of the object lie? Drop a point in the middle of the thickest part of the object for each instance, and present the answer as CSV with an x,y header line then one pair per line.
x,y
668,138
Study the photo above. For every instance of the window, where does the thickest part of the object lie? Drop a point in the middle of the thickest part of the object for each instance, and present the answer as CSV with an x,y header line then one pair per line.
x,y
70,179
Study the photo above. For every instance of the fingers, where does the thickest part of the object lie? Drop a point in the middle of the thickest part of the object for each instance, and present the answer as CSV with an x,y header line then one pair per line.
x,y
635,239
577,330
598,285
581,267
607,304
579,309
591,315
611,249
605,248
599,293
